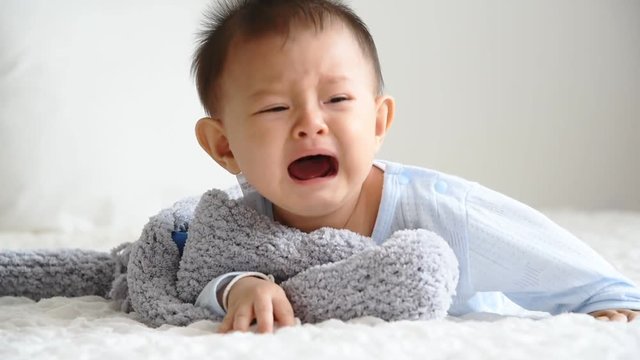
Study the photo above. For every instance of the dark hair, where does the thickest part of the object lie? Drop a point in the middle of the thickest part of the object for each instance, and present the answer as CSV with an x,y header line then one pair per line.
x,y
256,18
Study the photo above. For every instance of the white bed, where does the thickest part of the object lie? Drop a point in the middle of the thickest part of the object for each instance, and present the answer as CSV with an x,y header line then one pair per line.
x,y
87,327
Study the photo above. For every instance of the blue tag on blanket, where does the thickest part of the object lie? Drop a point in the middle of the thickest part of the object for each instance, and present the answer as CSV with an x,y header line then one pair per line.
x,y
180,238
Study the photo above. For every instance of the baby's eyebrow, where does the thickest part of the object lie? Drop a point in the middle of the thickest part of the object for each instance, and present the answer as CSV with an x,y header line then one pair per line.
x,y
268,90
332,79
260,93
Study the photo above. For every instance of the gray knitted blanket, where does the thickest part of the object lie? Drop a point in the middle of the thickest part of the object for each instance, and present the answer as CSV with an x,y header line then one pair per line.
x,y
326,274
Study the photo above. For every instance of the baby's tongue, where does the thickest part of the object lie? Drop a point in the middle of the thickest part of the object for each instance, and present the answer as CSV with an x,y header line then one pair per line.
x,y
310,167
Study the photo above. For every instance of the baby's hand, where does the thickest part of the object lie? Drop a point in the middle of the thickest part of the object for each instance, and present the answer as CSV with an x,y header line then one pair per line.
x,y
251,299
625,315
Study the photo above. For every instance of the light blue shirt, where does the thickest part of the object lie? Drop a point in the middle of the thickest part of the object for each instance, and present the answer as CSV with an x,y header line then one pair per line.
x,y
510,255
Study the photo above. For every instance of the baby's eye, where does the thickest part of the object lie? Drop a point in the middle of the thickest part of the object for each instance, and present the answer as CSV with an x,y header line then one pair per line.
x,y
337,99
274,109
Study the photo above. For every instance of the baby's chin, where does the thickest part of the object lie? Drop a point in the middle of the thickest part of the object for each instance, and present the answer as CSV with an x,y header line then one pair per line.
x,y
311,210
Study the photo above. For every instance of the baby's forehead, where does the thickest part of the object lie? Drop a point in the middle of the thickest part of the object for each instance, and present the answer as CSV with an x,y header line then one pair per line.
x,y
242,43
272,56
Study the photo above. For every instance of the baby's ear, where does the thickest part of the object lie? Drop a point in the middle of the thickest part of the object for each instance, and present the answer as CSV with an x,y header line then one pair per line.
x,y
385,111
213,139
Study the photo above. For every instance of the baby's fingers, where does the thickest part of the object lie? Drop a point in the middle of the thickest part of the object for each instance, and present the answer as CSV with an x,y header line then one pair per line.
x,y
238,320
630,314
264,315
622,315
225,325
618,317
283,312
243,318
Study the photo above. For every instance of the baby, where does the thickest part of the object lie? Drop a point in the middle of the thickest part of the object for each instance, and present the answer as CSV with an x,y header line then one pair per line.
x,y
294,94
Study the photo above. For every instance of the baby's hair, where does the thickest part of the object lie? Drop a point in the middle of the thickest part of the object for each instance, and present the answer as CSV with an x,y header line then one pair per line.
x,y
255,18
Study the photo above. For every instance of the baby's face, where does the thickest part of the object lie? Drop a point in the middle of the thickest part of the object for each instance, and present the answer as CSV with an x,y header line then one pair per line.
x,y
302,118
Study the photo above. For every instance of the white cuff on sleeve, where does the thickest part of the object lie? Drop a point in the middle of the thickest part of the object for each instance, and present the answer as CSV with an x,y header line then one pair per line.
x,y
208,297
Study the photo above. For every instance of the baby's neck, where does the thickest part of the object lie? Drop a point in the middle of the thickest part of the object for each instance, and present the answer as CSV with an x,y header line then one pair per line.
x,y
363,218
359,218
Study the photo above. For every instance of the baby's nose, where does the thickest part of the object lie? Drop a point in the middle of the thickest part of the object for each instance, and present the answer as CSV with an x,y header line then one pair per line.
x,y
310,124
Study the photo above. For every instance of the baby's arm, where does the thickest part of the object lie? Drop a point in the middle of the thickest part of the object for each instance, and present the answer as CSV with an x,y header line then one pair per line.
x,y
540,266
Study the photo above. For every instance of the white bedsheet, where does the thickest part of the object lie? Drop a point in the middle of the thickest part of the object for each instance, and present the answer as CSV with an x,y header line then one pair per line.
x,y
87,327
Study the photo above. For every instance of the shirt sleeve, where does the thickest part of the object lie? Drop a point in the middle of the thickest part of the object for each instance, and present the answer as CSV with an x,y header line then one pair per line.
x,y
208,296
540,266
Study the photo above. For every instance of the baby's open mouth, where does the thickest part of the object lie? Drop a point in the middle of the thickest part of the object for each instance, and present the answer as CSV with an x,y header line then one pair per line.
x,y
315,166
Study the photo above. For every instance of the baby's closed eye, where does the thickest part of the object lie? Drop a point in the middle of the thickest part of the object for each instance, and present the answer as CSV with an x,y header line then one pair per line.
x,y
337,99
276,109
272,109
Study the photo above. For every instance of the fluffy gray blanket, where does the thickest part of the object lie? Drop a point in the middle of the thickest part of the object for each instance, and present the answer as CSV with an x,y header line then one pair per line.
x,y
327,273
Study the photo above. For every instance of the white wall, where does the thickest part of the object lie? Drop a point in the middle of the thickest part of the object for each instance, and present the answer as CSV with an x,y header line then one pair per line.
x,y
537,99
97,112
